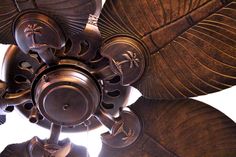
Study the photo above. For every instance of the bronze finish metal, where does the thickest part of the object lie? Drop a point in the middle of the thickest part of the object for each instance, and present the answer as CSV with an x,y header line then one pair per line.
x,y
72,15
191,46
14,99
20,70
55,133
123,131
66,96
70,77
127,58
39,33
38,148
178,129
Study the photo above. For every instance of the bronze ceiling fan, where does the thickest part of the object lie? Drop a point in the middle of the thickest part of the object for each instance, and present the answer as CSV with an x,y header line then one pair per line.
x,y
72,63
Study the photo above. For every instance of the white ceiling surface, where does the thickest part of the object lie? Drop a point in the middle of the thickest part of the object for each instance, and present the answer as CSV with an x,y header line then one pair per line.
x,y
18,129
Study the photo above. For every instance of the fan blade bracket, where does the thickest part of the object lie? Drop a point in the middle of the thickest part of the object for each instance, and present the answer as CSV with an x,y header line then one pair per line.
x,y
8,101
14,99
190,45
128,58
123,131
38,148
39,33
88,42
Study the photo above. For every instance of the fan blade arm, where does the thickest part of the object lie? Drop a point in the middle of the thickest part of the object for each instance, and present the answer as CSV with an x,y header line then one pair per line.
x,y
37,148
190,47
123,130
14,99
178,128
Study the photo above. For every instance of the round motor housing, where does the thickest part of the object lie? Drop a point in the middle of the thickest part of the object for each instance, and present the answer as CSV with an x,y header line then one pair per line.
x,y
67,96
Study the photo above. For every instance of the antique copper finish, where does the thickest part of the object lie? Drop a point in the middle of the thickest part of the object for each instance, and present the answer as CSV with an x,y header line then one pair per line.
x,y
34,67
123,131
55,133
127,58
184,128
9,100
39,33
38,148
66,96
63,74
97,71
14,99
191,46
71,15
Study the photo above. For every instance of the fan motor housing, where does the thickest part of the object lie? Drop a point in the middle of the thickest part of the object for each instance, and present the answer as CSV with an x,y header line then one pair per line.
x,y
66,95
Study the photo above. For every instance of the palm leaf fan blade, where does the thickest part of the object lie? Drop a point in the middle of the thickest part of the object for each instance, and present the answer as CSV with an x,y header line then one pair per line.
x,y
183,128
191,46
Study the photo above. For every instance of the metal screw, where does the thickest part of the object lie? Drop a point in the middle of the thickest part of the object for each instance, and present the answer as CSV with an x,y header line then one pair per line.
x,y
45,78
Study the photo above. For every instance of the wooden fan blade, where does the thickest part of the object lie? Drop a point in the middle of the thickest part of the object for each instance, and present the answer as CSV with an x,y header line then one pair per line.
x,y
191,44
71,15
184,128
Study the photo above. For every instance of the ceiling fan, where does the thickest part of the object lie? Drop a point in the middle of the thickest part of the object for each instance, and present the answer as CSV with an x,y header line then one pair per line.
x,y
72,64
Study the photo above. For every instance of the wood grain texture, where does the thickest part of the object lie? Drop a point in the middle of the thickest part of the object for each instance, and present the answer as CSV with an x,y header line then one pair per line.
x,y
15,150
8,13
184,128
71,15
192,43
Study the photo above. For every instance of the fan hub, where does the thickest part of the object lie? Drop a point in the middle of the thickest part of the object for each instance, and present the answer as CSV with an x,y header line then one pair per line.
x,y
66,96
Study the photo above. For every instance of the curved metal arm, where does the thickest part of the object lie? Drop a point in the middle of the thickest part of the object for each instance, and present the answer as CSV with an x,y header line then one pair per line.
x,y
104,73
105,119
47,56
123,131
15,99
